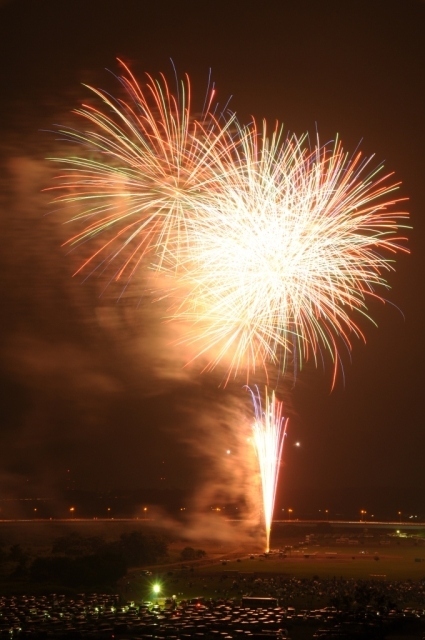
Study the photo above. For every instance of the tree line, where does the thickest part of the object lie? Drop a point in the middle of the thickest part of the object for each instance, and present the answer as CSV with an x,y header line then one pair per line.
x,y
89,561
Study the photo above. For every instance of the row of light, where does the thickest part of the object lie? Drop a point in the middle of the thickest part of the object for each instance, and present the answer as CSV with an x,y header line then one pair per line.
x,y
363,512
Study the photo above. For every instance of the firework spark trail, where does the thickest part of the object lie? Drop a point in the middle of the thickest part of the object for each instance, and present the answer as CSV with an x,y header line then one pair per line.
x,y
145,164
268,430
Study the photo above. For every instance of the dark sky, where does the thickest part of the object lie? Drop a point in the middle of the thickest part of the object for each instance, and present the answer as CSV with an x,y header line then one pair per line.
x,y
93,386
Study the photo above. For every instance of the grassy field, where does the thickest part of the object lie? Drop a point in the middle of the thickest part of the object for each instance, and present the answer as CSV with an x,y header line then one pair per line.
x,y
397,562
397,559
407,563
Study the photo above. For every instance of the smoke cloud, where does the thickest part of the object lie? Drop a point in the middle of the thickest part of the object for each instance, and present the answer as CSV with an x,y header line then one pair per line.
x,y
85,371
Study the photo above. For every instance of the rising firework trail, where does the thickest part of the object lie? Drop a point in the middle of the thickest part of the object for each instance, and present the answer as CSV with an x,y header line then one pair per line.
x,y
268,431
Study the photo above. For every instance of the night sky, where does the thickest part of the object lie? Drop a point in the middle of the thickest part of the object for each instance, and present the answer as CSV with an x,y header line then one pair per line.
x,y
94,386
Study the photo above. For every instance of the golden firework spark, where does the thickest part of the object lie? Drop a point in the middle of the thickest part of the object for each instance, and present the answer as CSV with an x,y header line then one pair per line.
x,y
269,430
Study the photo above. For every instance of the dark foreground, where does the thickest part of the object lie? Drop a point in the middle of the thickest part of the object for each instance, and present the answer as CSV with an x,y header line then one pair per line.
x,y
104,617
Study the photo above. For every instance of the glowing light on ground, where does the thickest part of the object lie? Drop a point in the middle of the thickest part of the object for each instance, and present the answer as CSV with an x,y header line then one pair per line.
x,y
269,430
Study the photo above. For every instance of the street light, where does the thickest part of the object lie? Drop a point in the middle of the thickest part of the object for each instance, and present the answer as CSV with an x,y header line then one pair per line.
x,y
290,513
362,514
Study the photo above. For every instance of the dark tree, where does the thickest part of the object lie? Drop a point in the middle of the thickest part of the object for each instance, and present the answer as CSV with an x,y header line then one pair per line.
x,y
17,554
88,571
52,570
74,544
100,569
189,553
137,548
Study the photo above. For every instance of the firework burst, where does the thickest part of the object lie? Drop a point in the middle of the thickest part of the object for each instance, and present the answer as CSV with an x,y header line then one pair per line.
x,y
284,253
268,249
142,165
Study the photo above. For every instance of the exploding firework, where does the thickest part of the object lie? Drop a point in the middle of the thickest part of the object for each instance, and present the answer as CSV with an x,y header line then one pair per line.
x,y
268,249
269,430
285,254
141,167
